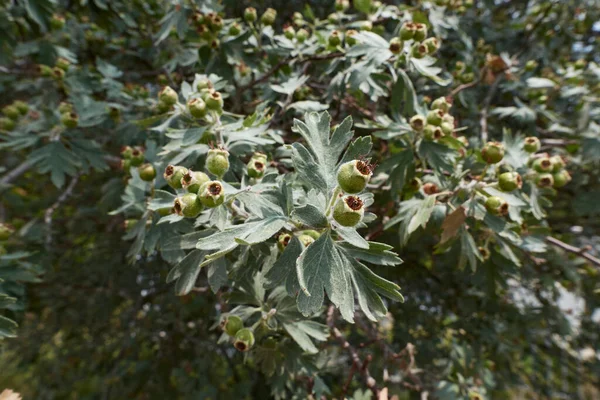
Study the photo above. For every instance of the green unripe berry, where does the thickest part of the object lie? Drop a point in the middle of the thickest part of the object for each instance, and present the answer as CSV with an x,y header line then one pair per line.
x,y
580,64
492,152
126,165
5,231
168,96
561,178
543,164
214,101
217,162
448,119
63,63
215,22
204,84
366,26
332,18
341,5
147,172
432,45
198,19
289,32
11,112
283,240
419,50
7,124
407,31
418,122
211,194
197,107
256,167
353,176
173,175
510,181
250,14
65,107
44,70
435,117
430,132
441,104
58,73
348,210
396,45
420,32
531,65
447,128
302,35
532,144
244,339
306,240
232,324
235,29
188,205
70,120
558,163
57,22
268,18
413,185
137,156
544,180
126,152
21,106
334,39
193,180
312,233
496,206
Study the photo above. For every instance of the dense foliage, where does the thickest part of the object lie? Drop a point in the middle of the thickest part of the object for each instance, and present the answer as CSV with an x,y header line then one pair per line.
x,y
207,200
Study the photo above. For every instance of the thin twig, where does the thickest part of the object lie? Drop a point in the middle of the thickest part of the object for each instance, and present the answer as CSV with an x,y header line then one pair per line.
x,y
485,110
16,172
50,211
572,249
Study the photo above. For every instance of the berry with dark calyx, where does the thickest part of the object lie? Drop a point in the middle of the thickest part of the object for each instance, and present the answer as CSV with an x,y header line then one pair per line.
x,y
173,175
448,118
419,50
197,107
301,35
192,180
168,96
65,107
532,144
334,39
496,206
269,16
58,73
215,22
126,152
198,19
447,128
5,231
558,163
147,172
137,156
396,45
333,18
420,32
544,180
348,210
21,106
188,205
211,194
341,5
413,185
235,29
418,122
407,31
312,233
510,181
44,70
441,104
306,240
203,84
11,112
430,188
430,132
485,253
232,324
543,164
217,162
350,37
7,124
289,32
353,176
432,44
250,14
435,117
256,167
57,22
70,120
63,63
244,339
214,101
283,240
561,178
492,152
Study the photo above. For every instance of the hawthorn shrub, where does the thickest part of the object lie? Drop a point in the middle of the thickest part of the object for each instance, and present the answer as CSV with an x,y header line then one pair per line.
x,y
366,200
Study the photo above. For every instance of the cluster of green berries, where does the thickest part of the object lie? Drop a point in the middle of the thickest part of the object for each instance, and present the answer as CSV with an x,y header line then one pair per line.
x,y
352,178
134,157
208,27
290,33
306,237
460,6
267,19
12,113
57,22
437,123
243,338
208,100
421,44
463,74
550,172
68,116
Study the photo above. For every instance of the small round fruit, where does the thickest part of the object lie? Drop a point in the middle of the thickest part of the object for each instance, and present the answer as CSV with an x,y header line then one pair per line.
x,y
11,112
432,44
419,50
137,156
289,32
147,172
269,16
543,164
302,35
173,175
354,175
232,324
217,162
188,205
214,101
430,188
192,180
435,117
417,123
441,104
348,210
63,63
558,163
510,181
351,37
197,107
7,124
544,180
57,22
211,194
396,45
168,96
203,84
244,339
306,240
283,240
532,144
70,120
6,231
334,39
447,128
420,32
492,152
256,168
561,178
407,31
250,14
341,5
21,106
496,206
429,132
